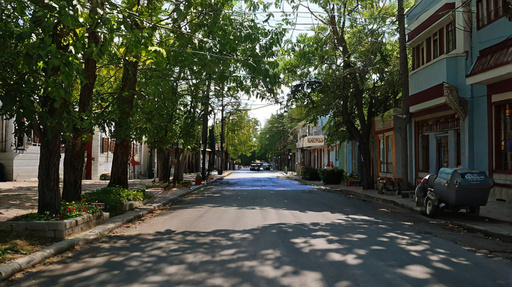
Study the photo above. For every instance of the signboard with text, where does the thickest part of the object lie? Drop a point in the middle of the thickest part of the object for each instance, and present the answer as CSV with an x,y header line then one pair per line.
x,y
314,141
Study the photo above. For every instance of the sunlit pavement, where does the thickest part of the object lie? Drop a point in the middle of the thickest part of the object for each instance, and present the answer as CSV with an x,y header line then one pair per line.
x,y
254,229
495,218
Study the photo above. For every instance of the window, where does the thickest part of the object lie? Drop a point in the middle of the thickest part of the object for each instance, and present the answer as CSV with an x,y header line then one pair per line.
x,y
424,155
422,53
435,45
429,49
415,58
504,137
419,55
450,38
386,154
441,41
389,158
488,11
107,145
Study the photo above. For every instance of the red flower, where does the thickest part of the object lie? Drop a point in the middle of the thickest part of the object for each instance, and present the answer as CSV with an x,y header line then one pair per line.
x,y
67,209
74,208
84,199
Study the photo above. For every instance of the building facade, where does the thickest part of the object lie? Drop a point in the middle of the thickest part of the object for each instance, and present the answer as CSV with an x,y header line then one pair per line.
x,y
312,150
490,78
460,86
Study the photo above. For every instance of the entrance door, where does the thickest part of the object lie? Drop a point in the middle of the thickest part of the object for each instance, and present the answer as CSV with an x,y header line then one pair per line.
x,y
442,151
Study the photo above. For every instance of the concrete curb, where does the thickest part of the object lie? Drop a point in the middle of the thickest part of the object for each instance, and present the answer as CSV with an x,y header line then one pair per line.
x,y
100,231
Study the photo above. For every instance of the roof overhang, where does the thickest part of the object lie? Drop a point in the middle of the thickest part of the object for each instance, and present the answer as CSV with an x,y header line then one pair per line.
x,y
493,65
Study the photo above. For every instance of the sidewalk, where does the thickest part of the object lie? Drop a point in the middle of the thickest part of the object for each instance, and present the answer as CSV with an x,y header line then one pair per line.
x,y
495,218
18,198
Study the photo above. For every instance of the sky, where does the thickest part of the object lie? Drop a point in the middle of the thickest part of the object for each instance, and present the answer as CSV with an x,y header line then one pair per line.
x,y
262,110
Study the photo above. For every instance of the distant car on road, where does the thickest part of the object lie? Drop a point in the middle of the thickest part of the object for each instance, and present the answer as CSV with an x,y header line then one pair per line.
x,y
256,166
260,165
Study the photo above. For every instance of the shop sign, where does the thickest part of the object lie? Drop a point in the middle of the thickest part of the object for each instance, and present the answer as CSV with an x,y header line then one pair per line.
x,y
314,141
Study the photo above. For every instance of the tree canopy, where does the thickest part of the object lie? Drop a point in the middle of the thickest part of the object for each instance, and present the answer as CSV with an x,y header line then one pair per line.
x,y
136,68
347,70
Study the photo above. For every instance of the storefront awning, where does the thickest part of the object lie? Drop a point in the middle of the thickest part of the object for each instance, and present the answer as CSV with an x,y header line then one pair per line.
x,y
494,64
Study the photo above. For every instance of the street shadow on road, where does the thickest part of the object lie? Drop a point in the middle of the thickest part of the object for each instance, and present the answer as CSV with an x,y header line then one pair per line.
x,y
355,251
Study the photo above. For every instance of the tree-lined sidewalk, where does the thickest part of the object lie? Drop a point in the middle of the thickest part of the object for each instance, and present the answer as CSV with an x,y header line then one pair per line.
x,y
137,69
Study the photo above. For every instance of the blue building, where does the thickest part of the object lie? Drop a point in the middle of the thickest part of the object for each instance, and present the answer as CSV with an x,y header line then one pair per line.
x,y
461,87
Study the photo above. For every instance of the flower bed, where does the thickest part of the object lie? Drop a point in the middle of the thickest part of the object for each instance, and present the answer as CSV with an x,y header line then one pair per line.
x,y
56,229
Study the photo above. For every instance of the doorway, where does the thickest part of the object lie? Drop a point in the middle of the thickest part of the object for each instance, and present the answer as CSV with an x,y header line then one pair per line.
x,y
442,151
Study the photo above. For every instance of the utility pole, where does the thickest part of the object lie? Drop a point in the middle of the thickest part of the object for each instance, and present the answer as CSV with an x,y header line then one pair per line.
x,y
205,131
222,156
404,117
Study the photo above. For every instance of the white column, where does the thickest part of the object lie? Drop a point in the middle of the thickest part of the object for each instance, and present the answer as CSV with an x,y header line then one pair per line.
x,y
95,153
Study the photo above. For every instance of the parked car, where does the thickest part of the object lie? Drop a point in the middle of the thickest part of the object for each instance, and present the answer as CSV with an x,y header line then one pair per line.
x,y
266,166
256,166
454,189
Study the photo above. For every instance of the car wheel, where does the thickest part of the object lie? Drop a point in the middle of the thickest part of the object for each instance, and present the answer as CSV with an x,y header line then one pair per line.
x,y
430,207
473,210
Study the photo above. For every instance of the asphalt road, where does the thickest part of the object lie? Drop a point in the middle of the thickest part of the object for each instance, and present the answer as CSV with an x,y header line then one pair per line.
x,y
254,229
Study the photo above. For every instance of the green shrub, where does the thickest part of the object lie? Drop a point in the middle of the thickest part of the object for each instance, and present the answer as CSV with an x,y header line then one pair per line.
x,y
332,175
113,203
309,173
114,198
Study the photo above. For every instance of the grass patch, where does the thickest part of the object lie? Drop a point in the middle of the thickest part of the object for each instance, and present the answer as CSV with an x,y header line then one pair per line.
x,y
15,245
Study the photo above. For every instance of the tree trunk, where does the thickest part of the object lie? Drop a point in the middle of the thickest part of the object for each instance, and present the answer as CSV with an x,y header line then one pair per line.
x,y
151,161
197,161
120,162
366,162
404,72
48,174
176,178
211,164
73,169
222,155
122,132
49,198
75,149
163,159
185,167
205,141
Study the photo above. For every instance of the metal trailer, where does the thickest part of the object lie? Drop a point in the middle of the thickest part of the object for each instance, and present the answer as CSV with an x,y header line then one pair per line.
x,y
454,189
